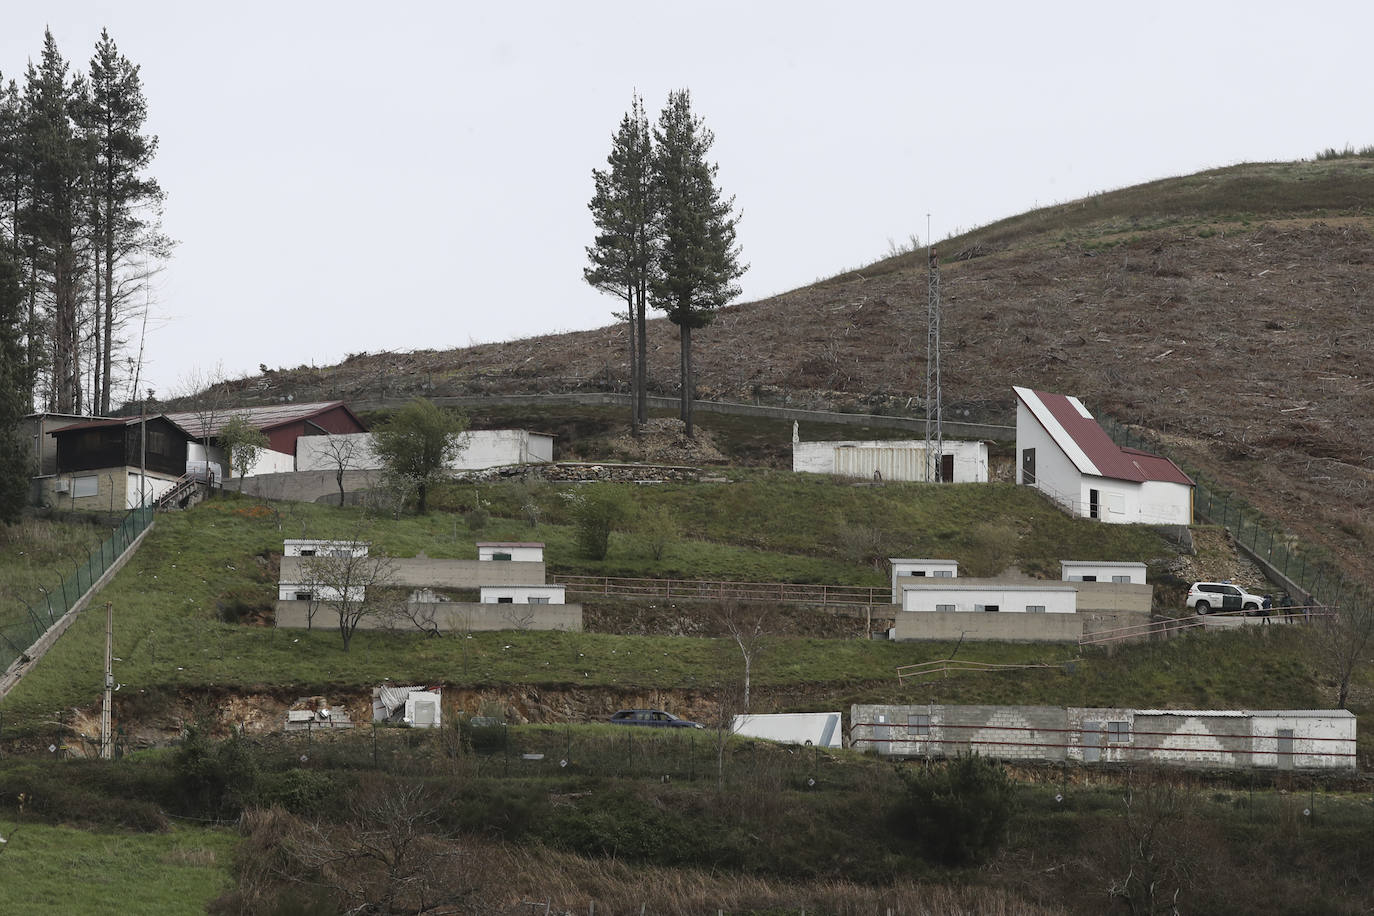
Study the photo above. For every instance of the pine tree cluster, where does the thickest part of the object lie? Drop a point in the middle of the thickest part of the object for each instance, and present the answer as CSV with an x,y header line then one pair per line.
x,y
665,235
80,223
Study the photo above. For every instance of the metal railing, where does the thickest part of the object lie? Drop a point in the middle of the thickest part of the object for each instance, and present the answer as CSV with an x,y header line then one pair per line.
x,y
20,629
1179,624
1320,580
710,590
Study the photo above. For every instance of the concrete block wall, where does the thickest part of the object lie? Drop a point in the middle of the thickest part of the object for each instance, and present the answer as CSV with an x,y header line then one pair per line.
x,y
1226,739
446,616
975,626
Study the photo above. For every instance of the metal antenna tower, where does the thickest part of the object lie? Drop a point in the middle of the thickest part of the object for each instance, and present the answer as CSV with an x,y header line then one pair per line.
x,y
935,438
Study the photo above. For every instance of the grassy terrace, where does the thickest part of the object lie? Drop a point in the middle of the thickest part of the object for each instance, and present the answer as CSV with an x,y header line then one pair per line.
x,y
762,526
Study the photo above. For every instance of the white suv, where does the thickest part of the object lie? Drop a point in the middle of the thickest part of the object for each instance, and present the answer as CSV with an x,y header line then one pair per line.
x,y
1221,596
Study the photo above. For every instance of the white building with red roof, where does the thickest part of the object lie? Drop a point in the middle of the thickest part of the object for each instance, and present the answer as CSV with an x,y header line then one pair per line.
x,y
1063,452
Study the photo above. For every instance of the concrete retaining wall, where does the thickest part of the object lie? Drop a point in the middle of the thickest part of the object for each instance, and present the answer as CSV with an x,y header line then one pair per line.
x,y
947,626
1114,596
445,616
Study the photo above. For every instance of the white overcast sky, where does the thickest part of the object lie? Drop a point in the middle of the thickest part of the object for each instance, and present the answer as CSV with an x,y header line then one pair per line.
x,y
349,176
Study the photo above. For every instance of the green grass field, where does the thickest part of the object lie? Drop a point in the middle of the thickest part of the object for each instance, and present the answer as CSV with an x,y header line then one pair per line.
x,y
47,869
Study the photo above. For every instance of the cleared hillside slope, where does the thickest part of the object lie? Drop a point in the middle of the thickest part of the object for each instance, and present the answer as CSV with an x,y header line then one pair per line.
x,y
1228,310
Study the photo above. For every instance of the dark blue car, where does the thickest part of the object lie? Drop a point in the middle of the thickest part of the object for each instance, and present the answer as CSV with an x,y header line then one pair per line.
x,y
654,718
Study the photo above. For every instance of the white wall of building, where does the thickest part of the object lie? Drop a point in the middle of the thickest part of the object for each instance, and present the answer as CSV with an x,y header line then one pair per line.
x,y
480,448
300,591
315,547
935,597
518,552
821,729
1079,570
904,568
1055,475
269,462
1164,503
154,487
522,594
894,459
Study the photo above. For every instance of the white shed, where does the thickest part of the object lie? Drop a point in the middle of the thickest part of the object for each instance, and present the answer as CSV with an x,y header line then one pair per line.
x,y
1090,571
305,591
1064,453
822,729
909,568
519,551
522,594
961,461
314,547
985,597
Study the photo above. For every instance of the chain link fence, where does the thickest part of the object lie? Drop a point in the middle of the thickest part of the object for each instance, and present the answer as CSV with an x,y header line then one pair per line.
x,y
23,622
1301,564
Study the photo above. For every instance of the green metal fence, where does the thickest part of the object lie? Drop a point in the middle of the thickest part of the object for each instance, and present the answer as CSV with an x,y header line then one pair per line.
x,y
1285,552
24,621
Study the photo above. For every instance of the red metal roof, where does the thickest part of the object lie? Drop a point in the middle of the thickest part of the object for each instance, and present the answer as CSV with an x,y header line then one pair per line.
x,y
1108,458
209,423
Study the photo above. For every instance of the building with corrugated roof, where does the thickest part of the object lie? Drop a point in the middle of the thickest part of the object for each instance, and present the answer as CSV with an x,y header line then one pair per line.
x,y
1063,452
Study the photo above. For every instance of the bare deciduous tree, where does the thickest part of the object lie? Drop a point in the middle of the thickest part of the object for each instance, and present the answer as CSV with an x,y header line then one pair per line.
x,y
342,453
747,625
343,578
1342,637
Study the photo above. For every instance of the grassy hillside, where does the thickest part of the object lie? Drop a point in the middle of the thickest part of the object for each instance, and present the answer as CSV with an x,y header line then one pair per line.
x,y
1225,311
199,569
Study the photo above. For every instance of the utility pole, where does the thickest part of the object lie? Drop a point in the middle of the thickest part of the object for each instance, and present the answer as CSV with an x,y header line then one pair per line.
x,y
106,745
935,439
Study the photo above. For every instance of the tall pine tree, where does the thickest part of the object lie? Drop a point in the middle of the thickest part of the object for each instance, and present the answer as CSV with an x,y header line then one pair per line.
x,y
125,204
16,388
698,260
622,259
51,218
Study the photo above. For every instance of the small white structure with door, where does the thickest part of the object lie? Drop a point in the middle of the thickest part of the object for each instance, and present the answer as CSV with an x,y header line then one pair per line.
x,y
985,597
904,569
960,461
522,594
508,551
1090,571
315,547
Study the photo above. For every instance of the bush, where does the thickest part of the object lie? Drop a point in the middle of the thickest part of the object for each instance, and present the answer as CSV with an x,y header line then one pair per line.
x,y
599,510
957,811
214,780
304,792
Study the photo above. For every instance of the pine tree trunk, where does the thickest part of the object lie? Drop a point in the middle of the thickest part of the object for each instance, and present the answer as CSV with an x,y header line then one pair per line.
x,y
634,367
687,378
643,395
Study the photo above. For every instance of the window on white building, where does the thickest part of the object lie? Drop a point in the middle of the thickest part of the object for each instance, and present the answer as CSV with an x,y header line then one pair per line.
x,y
1035,609
944,607
1121,578
944,574
1118,733
537,599
85,486
918,725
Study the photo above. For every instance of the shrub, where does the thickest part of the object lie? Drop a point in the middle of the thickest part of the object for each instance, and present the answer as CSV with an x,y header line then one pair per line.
x,y
599,510
214,780
957,811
